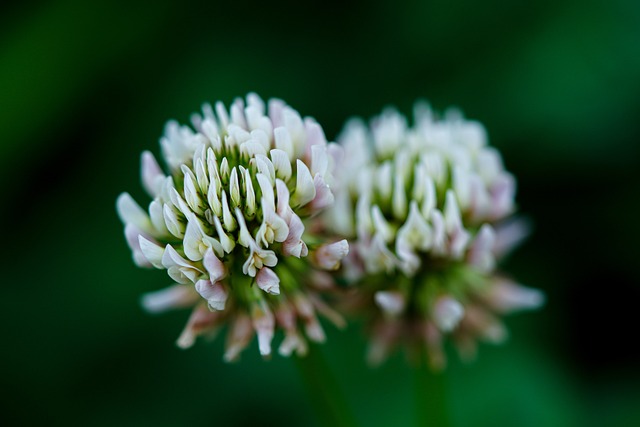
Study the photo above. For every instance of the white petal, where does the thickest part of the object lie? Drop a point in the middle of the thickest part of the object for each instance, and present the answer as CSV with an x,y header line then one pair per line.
x,y
214,200
381,225
157,217
224,169
399,205
266,186
234,188
174,226
237,114
481,251
191,194
384,180
225,241
193,243
130,212
452,218
283,141
227,218
293,123
284,210
319,160
439,234
266,167
151,251
305,189
281,164
250,198
223,117
252,148
244,237
429,200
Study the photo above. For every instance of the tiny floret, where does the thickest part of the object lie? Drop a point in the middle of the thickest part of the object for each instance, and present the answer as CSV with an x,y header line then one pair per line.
x,y
228,221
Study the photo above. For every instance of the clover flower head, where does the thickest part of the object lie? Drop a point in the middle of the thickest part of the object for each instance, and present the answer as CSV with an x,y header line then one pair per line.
x,y
428,210
227,223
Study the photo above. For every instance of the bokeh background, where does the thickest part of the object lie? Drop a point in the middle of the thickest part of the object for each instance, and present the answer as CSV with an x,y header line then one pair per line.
x,y
86,86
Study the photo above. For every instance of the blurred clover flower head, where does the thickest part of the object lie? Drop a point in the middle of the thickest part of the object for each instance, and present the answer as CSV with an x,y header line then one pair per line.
x,y
227,223
428,211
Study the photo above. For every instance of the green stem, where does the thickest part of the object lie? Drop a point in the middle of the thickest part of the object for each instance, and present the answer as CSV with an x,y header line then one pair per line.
x,y
431,397
324,391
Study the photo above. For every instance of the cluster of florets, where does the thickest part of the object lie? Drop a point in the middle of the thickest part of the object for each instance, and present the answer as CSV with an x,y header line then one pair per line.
x,y
425,210
228,224
241,223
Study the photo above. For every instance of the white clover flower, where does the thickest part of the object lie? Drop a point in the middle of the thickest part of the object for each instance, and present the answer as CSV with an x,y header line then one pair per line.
x,y
427,211
228,223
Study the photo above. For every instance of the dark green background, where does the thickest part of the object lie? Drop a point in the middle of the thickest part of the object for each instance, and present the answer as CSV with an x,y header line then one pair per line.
x,y
86,86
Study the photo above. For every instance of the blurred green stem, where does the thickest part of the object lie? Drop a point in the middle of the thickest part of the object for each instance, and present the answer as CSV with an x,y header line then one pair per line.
x,y
431,397
324,391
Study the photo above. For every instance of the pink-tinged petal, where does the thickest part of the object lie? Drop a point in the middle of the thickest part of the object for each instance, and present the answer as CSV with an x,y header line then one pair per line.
x,y
324,195
152,175
215,294
201,321
214,266
392,303
328,256
172,258
502,196
505,296
314,330
176,296
509,235
292,342
447,313
268,281
293,245
264,324
480,253
239,336
409,261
